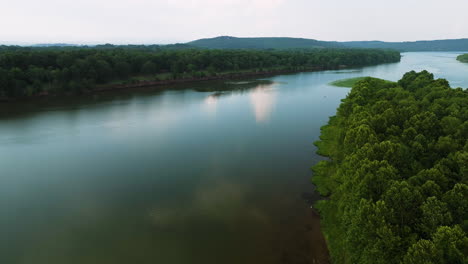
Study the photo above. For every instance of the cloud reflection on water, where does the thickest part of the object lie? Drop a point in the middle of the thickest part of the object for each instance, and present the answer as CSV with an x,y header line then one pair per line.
x,y
261,94
210,104
262,99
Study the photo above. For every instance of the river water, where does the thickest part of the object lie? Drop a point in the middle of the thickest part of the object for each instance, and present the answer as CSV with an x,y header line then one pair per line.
x,y
175,176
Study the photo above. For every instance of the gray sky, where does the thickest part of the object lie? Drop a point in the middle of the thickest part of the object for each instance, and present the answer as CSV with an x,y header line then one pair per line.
x,y
169,21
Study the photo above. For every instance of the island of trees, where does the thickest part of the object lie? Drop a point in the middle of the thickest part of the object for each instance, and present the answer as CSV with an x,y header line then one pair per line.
x,y
397,178
32,71
463,58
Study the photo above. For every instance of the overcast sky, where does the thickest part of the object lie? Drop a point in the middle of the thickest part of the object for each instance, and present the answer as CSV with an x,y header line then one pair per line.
x,y
169,21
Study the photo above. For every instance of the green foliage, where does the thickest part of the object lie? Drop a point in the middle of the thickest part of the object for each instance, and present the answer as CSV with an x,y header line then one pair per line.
x,y
397,180
348,83
463,58
447,246
32,71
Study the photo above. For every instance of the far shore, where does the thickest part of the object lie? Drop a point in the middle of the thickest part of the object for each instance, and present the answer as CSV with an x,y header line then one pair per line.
x,y
154,83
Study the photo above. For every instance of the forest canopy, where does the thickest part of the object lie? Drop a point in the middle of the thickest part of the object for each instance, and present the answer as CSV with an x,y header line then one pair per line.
x,y
463,58
28,71
397,179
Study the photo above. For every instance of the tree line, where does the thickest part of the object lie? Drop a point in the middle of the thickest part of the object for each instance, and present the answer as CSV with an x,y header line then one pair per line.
x,y
29,71
421,45
397,180
463,58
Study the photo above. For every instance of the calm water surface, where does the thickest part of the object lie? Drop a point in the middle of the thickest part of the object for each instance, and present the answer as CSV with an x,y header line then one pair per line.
x,y
177,176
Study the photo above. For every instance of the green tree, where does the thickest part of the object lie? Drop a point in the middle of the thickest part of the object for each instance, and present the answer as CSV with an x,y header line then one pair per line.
x,y
149,68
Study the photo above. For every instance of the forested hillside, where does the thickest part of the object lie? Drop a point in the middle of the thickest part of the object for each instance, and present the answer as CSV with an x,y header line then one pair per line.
x,y
463,58
36,71
226,42
423,45
397,180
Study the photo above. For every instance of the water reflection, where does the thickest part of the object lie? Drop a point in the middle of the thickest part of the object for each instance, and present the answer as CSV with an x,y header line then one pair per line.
x,y
210,104
262,97
263,100
226,87
347,71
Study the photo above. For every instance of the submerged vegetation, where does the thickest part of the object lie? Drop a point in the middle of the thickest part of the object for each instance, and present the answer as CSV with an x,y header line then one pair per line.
x,y
397,180
55,70
463,58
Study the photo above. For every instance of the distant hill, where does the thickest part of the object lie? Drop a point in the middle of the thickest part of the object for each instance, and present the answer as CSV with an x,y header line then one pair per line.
x,y
423,45
226,42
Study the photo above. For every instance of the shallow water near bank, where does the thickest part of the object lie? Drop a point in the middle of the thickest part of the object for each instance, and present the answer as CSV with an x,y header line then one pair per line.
x,y
194,174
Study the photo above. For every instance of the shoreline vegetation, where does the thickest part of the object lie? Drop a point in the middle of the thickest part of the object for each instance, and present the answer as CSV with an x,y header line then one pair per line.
x,y
396,180
35,72
463,58
347,83
148,82
350,82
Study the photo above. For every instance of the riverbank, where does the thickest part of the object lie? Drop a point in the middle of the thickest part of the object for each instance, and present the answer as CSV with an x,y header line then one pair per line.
x,y
217,77
148,82
80,70
132,83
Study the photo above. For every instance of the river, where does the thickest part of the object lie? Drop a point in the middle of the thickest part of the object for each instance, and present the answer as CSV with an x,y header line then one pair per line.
x,y
176,176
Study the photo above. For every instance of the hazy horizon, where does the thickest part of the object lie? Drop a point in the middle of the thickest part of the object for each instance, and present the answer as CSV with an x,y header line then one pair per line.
x,y
177,21
168,43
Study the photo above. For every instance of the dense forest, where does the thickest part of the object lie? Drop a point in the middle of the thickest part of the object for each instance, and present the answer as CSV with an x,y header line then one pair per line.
x,y
27,71
463,58
397,178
